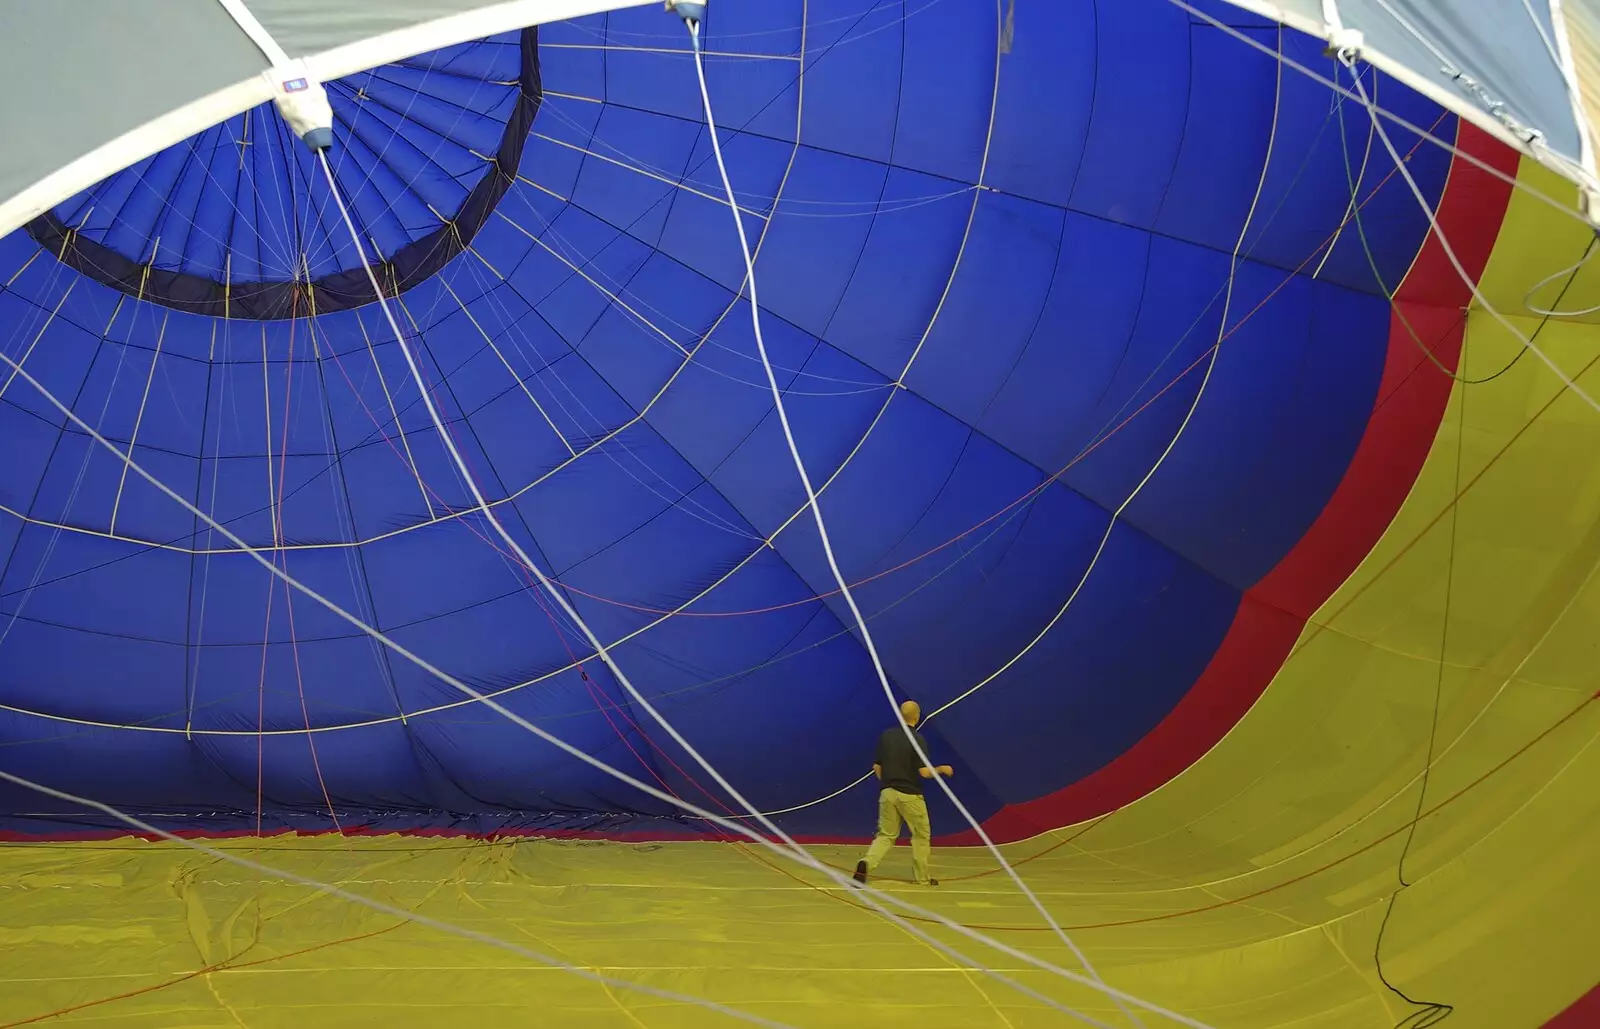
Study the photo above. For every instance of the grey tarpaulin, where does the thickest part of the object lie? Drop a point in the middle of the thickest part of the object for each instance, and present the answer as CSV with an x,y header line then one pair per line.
x,y
1512,66
1508,47
311,26
89,81
77,74
77,78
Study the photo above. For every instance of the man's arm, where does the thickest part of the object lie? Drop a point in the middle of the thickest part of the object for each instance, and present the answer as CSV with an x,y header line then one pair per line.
x,y
929,771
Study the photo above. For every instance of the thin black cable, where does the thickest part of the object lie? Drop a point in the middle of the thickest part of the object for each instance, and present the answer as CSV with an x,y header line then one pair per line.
x,y
1400,314
1429,1012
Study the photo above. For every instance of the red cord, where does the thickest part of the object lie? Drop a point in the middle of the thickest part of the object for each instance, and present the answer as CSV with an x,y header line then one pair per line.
x,y
216,967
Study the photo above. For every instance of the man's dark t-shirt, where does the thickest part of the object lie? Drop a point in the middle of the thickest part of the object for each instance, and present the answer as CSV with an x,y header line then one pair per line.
x,y
899,761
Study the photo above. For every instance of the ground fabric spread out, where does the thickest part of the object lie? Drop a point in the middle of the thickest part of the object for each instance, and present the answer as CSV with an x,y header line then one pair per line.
x,y
1242,560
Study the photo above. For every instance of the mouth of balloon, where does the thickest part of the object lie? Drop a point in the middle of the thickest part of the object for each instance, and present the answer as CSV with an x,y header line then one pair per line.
x,y
169,277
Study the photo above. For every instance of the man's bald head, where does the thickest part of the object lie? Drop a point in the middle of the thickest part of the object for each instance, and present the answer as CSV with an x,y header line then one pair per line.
x,y
911,711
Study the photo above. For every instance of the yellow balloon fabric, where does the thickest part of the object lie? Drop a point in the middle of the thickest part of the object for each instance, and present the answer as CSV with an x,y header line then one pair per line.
x,y
1246,894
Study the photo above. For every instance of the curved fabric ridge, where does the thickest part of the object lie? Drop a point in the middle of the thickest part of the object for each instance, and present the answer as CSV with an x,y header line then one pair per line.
x,y
1322,717
1273,613
590,359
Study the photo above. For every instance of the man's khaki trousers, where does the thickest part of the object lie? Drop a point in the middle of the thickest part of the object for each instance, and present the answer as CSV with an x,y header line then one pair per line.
x,y
893,808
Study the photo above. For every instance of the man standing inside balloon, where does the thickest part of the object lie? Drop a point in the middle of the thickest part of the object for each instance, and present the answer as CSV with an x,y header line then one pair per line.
x,y
901,771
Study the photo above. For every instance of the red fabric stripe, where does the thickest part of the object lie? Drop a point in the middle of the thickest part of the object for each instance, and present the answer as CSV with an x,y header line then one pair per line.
x,y
1584,1013
1411,402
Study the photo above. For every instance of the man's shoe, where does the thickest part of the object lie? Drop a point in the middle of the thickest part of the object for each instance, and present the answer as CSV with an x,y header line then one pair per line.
x,y
861,872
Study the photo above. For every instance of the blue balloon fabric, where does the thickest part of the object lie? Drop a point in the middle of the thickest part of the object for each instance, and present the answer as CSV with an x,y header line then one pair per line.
x,y
1051,290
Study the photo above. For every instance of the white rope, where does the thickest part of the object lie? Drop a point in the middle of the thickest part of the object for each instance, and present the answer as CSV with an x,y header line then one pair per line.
x,y
1571,269
675,497
1409,126
1352,209
793,851
482,505
614,295
390,909
1549,44
827,545
797,854
599,648
1348,60
1222,334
